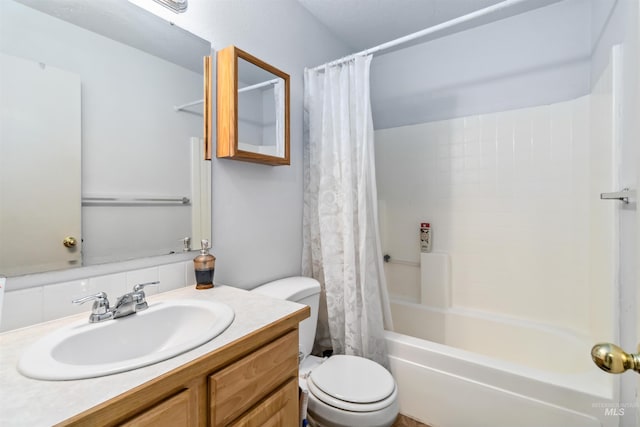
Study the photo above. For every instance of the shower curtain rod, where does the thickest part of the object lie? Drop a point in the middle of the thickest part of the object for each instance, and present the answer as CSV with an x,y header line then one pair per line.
x,y
498,7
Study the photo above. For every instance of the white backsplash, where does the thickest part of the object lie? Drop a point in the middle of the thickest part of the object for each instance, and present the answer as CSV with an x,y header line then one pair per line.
x,y
25,307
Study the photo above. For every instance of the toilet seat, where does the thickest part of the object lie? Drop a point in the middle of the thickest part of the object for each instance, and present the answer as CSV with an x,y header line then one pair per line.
x,y
353,384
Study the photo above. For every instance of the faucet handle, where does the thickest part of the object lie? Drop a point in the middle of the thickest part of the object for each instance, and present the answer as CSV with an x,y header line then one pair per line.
x,y
139,296
100,310
101,302
140,286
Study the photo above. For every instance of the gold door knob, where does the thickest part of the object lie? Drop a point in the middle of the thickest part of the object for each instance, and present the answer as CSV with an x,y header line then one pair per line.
x,y
611,358
69,242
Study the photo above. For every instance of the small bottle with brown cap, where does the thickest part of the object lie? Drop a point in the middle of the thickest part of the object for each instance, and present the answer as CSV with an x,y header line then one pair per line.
x,y
204,265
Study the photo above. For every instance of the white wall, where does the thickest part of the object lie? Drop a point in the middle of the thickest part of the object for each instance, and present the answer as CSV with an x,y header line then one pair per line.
x,y
535,58
257,209
508,197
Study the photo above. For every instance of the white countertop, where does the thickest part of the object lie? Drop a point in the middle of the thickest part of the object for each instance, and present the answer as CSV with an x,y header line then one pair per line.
x,y
28,402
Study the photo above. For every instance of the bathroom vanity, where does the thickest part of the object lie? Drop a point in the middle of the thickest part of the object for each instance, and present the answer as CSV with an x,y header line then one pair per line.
x,y
246,376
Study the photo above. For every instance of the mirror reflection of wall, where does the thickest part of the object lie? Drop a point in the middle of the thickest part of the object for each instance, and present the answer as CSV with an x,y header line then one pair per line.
x,y
260,110
136,149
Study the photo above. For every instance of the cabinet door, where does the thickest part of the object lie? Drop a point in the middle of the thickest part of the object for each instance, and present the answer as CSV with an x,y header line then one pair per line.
x,y
237,388
178,410
278,410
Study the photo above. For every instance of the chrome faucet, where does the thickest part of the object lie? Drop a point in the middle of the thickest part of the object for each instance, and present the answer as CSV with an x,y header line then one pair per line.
x,y
132,302
127,304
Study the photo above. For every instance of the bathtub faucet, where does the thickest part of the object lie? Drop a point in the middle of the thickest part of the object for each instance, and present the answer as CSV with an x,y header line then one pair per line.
x,y
611,358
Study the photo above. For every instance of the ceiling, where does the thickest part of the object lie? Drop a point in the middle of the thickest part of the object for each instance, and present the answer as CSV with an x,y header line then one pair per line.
x,y
362,24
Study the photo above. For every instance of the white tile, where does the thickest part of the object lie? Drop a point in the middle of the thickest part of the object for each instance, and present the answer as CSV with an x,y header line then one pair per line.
x,y
457,150
472,163
455,133
22,308
505,153
472,129
444,150
457,165
191,274
504,126
57,298
143,276
489,163
472,148
488,147
171,276
488,123
113,284
502,208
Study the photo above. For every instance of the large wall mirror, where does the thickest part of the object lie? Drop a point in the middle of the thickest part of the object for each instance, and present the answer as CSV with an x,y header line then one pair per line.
x,y
253,109
101,128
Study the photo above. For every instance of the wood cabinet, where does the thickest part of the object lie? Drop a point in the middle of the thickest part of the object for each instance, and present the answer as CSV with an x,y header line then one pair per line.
x,y
178,410
279,409
236,389
252,109
249,382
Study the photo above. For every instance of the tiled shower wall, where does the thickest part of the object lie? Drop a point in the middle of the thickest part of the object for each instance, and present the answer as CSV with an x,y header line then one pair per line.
x,y
38,304
508,196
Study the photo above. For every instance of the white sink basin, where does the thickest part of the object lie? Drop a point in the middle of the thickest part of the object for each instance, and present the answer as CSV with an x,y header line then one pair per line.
x,y
87,350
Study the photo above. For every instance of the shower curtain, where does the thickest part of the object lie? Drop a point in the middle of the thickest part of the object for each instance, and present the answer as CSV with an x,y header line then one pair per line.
x,y
340,228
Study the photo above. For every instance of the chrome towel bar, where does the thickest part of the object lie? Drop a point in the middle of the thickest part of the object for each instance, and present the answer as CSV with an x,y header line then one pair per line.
x,y
102,200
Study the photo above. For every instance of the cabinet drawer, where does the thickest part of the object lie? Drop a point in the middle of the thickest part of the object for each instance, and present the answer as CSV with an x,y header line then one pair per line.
x,y
178,410
237,388
278,410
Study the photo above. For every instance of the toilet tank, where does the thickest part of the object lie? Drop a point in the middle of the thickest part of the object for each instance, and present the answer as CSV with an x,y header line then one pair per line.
x,y
303,290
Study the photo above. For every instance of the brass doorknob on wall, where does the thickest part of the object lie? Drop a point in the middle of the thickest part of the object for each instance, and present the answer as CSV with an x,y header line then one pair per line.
x,y
611,358
69,242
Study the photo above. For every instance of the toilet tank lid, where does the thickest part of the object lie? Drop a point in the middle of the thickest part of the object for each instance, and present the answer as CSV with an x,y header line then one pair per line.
x,y
291,288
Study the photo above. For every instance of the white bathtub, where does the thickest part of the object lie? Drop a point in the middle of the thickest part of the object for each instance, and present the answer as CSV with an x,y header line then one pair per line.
x,y
472,369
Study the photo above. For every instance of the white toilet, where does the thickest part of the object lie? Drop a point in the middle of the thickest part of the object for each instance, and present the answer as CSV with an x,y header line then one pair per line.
x,y
344,391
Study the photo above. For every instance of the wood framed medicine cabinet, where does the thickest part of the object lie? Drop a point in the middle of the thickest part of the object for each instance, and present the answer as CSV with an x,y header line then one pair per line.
x,y
253,109
208,85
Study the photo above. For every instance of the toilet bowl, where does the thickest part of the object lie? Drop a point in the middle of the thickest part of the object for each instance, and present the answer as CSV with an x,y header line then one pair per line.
x,y
344,391
352,391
